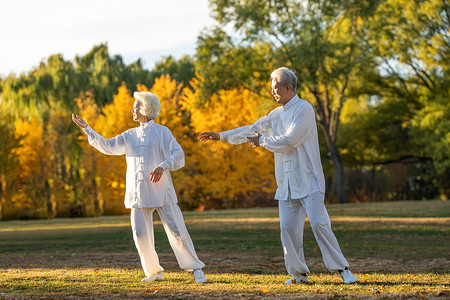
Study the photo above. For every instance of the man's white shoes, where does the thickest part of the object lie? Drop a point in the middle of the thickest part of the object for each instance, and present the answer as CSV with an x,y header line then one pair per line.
x,y
347,276
157,277
199,276
298,279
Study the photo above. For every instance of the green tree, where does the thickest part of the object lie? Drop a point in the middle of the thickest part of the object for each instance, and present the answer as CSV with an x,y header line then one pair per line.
x,y
8,160
317,39
182,70
102,74
409,71
56,82
227,64
35,93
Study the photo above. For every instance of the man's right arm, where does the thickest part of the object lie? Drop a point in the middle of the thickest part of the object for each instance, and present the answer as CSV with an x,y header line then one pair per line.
x,y
240,135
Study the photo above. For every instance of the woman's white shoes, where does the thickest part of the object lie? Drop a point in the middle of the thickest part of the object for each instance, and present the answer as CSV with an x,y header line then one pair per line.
x,y
298,279
198,275
157,277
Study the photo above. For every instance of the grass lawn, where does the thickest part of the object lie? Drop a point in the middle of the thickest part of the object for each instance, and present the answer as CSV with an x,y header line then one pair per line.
x,y
395,249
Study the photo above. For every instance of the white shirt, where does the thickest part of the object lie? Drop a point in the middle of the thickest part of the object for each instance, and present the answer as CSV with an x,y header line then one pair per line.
x,y
290,131
146,147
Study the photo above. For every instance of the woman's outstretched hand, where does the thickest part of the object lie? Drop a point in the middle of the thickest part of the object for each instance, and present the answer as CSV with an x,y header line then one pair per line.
x,y
156,174
79,121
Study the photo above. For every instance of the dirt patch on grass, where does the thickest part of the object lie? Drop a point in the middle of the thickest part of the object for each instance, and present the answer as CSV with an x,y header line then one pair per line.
x,y
225,266
250,263
383,220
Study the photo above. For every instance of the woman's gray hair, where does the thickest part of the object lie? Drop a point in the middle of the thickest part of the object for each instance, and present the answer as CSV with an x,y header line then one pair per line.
x,y
150,106
286,77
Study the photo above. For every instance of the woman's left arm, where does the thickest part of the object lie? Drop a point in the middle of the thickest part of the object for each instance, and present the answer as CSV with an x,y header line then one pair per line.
x,y
173,153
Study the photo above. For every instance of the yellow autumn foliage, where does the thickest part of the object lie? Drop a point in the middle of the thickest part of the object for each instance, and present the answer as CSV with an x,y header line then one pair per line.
x,y
52,182
32,157
31,144
89,169
225,174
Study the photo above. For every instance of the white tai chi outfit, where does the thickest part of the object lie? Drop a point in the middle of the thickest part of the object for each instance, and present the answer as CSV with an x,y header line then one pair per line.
x,y
146,147
290,131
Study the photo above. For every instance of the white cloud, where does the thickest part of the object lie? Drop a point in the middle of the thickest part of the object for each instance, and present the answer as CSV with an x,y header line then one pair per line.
x,y
31,30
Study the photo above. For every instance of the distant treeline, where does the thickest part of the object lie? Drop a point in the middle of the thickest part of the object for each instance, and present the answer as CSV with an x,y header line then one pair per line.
x,y
377,73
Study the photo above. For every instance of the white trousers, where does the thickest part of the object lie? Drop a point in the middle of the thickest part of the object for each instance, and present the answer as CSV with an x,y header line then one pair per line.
x,y
179,239
292,219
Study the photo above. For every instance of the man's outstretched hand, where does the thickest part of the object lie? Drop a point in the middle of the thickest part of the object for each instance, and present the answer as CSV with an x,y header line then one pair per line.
x,y
254,140
79,121
208,136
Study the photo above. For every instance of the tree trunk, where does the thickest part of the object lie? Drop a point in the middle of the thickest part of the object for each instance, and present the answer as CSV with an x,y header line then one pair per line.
x,y
98,204
1,194
339,177
328,118
338,168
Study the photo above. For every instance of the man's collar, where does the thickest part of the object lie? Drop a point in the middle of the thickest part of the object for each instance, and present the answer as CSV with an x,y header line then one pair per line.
x,y
291,102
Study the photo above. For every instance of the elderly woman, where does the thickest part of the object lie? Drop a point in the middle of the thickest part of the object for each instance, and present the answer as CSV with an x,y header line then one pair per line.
x,y
151,153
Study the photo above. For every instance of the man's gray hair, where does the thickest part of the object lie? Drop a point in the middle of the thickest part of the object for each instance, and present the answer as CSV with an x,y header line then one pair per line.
x,y
150,106
286,77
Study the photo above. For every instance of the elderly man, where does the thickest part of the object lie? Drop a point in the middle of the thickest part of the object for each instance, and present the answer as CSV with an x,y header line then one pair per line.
x,y
150,147
290,132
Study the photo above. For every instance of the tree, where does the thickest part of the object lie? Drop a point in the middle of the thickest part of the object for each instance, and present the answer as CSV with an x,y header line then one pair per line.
x,y
219,171
60,138
317,39
56,82
101,73
226,64
410,42
31,199
182,70
88,169
8,160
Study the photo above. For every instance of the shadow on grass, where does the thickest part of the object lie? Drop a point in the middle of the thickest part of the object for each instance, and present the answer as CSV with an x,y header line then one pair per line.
x,y
384,283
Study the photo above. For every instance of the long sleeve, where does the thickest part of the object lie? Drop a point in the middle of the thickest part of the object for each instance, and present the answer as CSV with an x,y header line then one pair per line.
x,y
113,146
240,134
295,135
173,153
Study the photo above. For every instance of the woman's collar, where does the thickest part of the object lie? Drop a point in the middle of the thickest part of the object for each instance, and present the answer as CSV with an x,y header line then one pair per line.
x,y
148,123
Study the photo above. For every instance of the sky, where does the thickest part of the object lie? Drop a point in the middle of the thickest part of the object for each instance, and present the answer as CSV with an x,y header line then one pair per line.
x,y
32,30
